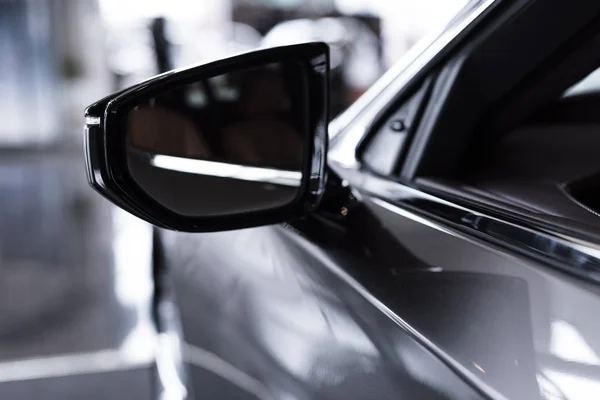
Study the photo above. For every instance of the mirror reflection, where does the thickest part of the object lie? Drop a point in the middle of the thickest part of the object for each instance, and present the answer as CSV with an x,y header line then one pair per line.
x,y
227,144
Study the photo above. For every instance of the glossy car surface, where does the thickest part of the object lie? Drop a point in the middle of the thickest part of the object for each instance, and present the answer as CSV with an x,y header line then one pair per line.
x,y
392,289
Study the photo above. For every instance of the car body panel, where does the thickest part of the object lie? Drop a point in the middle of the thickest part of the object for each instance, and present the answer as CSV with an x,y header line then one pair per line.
x,y
406,308
267,303
522,327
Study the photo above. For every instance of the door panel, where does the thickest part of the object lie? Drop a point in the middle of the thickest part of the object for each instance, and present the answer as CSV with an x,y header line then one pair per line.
x,y
522,327
389,311
270,305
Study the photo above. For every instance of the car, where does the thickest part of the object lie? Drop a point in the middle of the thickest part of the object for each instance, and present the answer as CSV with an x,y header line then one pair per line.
x,y
438,239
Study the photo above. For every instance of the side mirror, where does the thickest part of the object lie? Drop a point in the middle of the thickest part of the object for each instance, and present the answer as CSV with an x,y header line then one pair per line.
x,y
235,143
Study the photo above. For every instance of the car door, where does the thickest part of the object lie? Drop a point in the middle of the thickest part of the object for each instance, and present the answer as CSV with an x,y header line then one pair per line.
x,y
393,290
276,312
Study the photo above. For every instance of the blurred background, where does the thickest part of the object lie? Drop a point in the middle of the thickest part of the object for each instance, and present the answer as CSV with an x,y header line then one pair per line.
x,y
75,273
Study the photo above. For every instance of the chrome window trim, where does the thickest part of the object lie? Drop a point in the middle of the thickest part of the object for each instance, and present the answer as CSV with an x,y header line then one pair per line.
x,y
562,251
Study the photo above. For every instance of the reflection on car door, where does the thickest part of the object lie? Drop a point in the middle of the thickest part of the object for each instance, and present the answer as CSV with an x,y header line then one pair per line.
x,y
273,307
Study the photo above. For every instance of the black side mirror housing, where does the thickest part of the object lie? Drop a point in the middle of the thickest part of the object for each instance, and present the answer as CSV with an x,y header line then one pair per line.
x,y
231,144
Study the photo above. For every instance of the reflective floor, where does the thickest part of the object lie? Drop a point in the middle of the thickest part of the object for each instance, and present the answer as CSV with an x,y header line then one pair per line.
x,y
75,285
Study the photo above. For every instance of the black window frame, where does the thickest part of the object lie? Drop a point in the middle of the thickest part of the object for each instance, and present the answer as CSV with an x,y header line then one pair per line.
x,y
419,93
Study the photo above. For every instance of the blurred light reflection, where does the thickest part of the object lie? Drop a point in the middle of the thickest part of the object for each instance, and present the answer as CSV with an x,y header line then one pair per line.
x,y
567,343
132,252
573,386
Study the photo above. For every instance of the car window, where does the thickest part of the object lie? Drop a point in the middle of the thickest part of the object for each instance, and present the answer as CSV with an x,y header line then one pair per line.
x,y
547,166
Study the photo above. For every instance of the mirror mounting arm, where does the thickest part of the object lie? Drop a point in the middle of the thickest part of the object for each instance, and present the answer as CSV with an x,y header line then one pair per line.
x,y
338,202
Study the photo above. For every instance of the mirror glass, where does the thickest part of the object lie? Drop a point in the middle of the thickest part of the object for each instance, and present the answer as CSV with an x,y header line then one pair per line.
x,y
225,144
